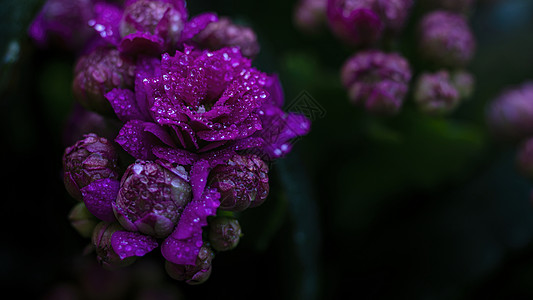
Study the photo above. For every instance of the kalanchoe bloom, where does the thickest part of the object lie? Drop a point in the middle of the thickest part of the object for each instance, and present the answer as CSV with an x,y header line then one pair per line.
x,y
464,82
90,159
524,159
116,247
446,39
510,115
242,182
376,80
82,220
193,274
98,73
224,233
224,33
151,198
310,14
63,22
202,102
362,22
435,93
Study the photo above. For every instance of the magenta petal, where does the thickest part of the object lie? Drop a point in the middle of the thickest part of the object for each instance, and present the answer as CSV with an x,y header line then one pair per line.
x,y
197,24
183,245
99,196
125,105
274,88
199,172
127,244
141,42
136,141
160,133
175,156
106,22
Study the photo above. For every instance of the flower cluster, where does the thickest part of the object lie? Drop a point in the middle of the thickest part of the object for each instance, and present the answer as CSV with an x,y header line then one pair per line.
x,y
510,118
198,127
379,80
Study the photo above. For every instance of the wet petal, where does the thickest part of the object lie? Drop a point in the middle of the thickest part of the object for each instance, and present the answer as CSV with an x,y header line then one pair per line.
x,y
99,196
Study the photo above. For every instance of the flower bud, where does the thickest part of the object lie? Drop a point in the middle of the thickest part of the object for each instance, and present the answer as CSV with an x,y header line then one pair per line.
x,y
435,94
242,182
510,115
362,22
524,159
82,220
224,233
165,19
446,39
377,80
224,33
63,23
310,14
88,160
106,256
193,274
151,198
97,73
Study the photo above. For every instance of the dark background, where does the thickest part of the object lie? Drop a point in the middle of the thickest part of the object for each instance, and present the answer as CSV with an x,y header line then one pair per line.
x,y
409,207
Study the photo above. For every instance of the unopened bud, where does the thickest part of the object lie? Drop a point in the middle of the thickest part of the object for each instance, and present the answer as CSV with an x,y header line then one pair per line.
x,y
193,274
224,233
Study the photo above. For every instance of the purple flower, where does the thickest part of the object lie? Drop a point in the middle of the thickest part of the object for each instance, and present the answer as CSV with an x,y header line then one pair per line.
x,y
202,102
116,247
63,22
310,14
510,115
148,26
435,93
151,198
362,22
242,182
193,274
224,33
446,39
379,81
524,159
224,233
97,73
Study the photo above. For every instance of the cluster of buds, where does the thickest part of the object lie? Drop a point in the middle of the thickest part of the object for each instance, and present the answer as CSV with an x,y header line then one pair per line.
x,y
190,110
380,80
510,118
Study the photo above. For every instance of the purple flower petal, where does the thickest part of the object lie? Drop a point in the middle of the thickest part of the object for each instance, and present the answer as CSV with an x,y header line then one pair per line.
x,y
175,156
141,42
160,133
125,105
127,244
183,245
199,172
197,24
99,196
274,88
136,141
